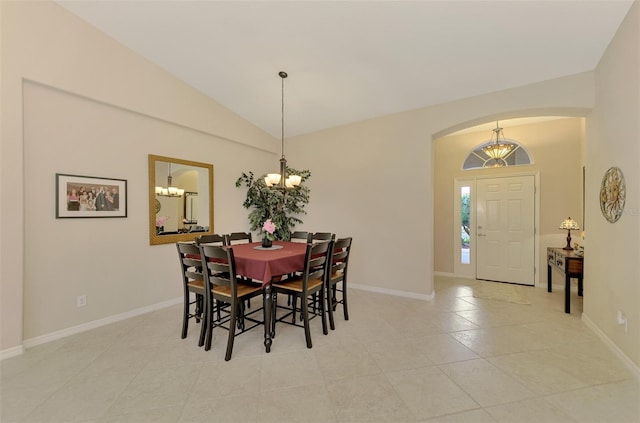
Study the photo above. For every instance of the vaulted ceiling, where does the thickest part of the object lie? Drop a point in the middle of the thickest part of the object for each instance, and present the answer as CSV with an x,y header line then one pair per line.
x,y
354,60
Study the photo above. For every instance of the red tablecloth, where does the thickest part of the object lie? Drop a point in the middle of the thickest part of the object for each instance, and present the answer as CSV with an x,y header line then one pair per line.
x,y
262,265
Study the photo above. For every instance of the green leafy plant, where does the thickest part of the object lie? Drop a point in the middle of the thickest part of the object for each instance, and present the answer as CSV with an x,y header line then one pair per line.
x,y
465,210
282,207
465,207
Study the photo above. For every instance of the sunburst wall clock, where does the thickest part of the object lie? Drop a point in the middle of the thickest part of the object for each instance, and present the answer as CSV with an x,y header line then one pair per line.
x,y
612,194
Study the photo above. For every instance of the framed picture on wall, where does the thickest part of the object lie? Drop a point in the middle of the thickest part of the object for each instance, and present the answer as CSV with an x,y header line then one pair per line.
x,y
89,196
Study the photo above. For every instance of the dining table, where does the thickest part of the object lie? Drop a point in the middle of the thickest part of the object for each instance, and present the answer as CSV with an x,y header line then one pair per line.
x,y
264,264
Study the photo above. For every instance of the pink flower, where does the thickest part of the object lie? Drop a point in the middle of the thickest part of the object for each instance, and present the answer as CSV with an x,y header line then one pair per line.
x,y
269,226
160,221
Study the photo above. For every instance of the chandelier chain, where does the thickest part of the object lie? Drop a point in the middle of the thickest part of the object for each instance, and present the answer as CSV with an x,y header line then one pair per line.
x,y
283,75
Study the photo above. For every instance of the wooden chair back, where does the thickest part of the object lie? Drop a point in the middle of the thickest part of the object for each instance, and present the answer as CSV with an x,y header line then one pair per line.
x,y
189,256
322,236
315,262
298,236
219,267
339,259
210,239
238,237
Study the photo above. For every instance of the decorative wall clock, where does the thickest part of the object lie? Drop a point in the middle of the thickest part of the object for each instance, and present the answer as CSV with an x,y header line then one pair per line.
x,y
612,194
158,206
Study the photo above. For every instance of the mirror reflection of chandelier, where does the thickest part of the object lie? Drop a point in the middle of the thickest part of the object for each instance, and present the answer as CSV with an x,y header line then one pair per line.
x,y
170,190
282,180
498,149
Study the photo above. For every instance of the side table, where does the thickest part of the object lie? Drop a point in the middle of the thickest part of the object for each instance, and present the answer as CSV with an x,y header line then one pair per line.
x,y
569,263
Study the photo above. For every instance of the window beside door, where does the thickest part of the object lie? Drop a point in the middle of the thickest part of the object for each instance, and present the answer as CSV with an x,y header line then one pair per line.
x,y
465,228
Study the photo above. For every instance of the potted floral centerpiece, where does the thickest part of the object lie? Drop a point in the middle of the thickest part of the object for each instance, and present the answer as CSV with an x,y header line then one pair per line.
x,y
268,228
283,208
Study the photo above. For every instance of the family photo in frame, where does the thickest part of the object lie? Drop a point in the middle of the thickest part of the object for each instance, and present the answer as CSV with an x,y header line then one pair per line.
x,y
88,196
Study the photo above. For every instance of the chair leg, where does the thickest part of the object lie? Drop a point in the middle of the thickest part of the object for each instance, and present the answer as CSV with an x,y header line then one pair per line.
x,y
232,331
322,310
185,316
274,306
206,321
294,304
344,301
241,316
198,307
334,300
330,308
209,331
305,313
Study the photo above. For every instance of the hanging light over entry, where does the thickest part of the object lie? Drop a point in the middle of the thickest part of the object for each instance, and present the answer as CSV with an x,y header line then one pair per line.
x,y
282,180
499,148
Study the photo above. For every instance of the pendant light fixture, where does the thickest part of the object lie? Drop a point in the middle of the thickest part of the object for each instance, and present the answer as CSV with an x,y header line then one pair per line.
x,y
170,190
499,148
282,180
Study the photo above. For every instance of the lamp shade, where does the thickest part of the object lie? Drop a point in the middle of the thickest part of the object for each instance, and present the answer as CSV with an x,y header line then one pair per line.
x,y
569,224
498,151
274,178
499,148
295,180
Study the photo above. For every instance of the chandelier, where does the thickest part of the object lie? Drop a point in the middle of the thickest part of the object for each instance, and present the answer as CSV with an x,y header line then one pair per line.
x,y
498,148
170,190
282,180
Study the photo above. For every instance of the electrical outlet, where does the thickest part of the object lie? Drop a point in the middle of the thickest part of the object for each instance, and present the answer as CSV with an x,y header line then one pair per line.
x,y
622,320
81,301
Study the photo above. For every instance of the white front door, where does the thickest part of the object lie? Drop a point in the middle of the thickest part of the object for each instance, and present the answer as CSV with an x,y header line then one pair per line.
x,y
505,218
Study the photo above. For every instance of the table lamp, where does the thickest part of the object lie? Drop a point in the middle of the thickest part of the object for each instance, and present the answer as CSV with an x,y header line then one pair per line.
x,y
569,224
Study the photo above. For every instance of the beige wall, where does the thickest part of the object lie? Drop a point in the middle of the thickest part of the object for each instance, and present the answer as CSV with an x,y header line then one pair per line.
x,y
373,180
556,150
612,275
74,101
108,260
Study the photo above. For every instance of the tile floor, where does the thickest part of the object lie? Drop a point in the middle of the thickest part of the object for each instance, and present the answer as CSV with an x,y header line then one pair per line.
x,y
457,358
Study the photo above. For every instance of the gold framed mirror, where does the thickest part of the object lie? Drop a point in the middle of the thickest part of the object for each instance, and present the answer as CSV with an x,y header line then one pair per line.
x,y
177,187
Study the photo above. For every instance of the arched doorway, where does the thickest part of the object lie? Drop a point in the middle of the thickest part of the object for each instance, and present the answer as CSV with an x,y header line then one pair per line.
x,y
557,186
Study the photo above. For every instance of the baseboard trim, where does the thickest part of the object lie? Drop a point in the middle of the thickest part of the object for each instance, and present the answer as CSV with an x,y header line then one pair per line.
x,y
445,274
612,346
396,293
43,339
11,352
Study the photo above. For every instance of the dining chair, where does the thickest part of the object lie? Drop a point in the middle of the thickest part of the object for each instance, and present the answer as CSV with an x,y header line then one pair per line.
x,y
337,274
216,239
311,237
192,282
319,237
223,285
300,236
238,237
312,281
211,239
322,236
